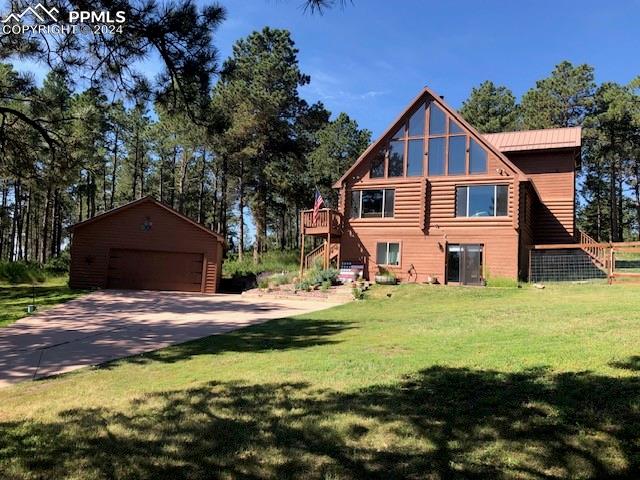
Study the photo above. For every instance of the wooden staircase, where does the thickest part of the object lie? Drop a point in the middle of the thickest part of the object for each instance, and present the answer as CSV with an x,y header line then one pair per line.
x,y
599,254
320,252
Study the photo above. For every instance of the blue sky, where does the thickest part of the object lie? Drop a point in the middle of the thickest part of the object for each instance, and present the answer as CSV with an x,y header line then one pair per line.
x,y
372,57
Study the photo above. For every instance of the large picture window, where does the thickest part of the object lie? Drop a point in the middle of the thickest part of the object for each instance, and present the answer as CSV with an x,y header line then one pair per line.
x,y
415,158
477,158
482,201
372,203
388,253
396,159
377,166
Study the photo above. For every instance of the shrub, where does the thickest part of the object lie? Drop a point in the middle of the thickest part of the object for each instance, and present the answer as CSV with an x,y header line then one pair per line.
x,y
275,261
263,282
318,277
357,292
304,285
280,279
21,272
326,285
58,265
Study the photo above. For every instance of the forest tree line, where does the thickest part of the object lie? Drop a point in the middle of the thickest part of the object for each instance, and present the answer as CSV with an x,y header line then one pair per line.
x,y
263,150
248,143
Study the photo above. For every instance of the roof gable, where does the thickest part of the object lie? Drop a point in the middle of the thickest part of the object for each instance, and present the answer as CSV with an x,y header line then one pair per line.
x,y
140,201
423,96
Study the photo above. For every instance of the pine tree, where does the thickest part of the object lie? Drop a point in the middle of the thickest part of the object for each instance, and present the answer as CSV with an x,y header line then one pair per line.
x,y
491,108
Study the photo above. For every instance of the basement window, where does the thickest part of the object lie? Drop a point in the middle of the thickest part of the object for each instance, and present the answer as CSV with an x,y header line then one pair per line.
x,y
388,253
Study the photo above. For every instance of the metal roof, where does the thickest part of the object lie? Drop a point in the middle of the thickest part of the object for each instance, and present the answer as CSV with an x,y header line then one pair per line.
x,y
546,139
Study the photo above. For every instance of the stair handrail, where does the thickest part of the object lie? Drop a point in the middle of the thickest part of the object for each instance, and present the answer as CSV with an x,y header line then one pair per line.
x,y
593,248
313,254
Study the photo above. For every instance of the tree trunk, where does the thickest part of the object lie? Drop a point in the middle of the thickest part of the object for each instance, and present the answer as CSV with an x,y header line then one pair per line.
x,y
241,208
620,210
173,177
13,250
135,169
202,185
3,209
613,223
54,224
183,180
283,234
59,228
161,180
637,194
27,232
45,225
223,198
114,171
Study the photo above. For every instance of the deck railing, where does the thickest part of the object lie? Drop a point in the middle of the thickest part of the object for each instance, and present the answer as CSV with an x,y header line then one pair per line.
x,y
328,221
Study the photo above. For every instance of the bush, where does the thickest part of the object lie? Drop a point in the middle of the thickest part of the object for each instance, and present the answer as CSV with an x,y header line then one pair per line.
x,y
58,265
263,283
326,285
304,285
276,261
21,272
281,279
357,292
318,277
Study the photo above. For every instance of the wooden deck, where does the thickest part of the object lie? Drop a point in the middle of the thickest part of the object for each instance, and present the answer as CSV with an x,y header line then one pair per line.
x,y
328,222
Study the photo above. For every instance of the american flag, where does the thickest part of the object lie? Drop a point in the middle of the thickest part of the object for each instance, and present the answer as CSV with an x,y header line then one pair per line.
x,y
319,201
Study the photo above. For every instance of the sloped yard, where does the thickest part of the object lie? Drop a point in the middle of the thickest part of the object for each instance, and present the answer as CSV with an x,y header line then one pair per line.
x,y
431,382
15,298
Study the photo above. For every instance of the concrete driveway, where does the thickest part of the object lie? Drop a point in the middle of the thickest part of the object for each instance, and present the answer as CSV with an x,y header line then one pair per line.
x,y
106,325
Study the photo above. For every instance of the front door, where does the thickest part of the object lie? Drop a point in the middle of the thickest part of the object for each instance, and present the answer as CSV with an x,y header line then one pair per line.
x,y
464,264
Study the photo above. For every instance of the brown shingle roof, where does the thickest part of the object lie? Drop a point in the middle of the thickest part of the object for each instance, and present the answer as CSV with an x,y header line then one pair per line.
x,y
546,139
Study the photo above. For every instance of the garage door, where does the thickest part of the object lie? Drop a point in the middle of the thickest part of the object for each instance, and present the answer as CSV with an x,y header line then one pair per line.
x,y
151,270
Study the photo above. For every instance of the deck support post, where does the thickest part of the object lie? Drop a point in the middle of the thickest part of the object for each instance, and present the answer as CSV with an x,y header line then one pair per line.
x,y
301,255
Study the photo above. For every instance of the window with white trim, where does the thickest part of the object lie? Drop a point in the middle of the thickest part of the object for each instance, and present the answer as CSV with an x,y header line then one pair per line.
x,y
482,201
388,253
376,203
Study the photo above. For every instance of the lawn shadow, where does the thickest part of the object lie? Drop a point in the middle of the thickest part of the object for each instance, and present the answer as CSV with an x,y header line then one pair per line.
x,y
279,334
632,363
438,423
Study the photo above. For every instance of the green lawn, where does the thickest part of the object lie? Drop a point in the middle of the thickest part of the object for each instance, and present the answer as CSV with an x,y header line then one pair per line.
x,y
15,298
432,382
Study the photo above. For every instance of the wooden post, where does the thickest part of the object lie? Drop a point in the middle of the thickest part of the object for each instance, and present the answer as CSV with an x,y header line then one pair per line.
x,y
611,265
327,253
301,254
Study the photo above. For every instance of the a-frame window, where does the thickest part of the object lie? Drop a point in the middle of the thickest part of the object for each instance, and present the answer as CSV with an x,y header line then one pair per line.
x,y
429,142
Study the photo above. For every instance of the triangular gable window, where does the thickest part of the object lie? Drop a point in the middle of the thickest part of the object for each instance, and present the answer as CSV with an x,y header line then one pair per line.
x,y
416,123
448,148
454,127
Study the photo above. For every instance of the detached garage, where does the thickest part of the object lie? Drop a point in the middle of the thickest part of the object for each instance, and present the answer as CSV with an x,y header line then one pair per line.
x,y
145,245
